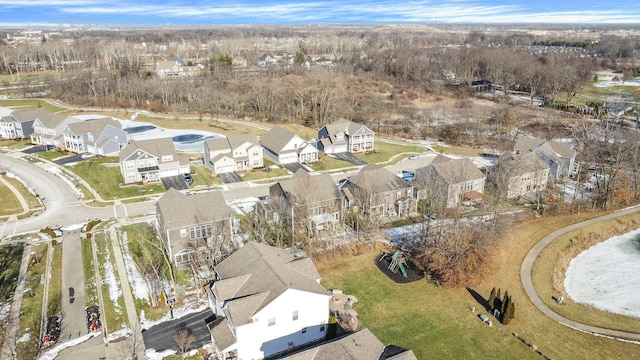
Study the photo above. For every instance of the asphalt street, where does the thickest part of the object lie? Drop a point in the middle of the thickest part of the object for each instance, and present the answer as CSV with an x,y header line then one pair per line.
x,y
160,337
74,323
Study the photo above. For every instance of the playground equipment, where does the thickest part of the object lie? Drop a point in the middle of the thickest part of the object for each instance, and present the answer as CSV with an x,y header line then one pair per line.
x,y
398,262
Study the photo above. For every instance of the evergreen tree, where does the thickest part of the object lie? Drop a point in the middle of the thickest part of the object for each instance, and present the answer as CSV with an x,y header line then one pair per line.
x,y
492,298
509,312
497,302
503,305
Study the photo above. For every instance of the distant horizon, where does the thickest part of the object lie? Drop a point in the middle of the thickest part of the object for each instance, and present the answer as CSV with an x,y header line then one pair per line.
x,y
119,13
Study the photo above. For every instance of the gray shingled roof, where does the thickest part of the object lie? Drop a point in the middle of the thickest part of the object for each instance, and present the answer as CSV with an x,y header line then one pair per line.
x,y
362,345
276,139
456,171
95,127
31,114
156,147
256,274
343,125
179,210
375,179
307,188
552,149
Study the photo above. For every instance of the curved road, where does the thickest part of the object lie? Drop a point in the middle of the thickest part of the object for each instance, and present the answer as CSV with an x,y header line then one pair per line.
x,y
527,281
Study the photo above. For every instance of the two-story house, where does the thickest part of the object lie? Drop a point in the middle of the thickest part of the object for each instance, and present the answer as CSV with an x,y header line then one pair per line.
x,y
234,153
451,182
176,68
313,201
560,156
284,147
377,191
103,136
345,136
19,124
197,226
521,175
151,160
48,129
265,302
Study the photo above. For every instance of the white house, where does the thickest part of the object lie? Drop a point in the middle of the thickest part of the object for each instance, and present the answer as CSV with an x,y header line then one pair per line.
x,y
47,130
233,153
284,147
345,136
151,160
266,302
19,124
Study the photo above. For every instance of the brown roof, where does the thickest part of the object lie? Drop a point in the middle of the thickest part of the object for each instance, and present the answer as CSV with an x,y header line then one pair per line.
x,y
179,210
374,179
221,333
257,274
361,345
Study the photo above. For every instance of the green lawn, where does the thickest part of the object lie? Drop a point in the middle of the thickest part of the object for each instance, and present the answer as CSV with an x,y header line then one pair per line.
x,y
10,203
384,151
11,256
436,323
106,180
52,154
202,176
55,282
327,163
32,201
114,312
90,289
14,144
31,309
457,150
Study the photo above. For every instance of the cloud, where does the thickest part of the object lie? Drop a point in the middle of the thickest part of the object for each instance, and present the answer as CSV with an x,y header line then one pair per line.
x,y
272,12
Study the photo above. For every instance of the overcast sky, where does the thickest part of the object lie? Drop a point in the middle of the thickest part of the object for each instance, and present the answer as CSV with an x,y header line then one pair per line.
x,y
175,12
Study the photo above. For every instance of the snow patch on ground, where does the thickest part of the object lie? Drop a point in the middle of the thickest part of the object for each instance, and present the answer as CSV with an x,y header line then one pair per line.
x,y
190,305
139,286
56,171
153,355
24,338
602,276
52,353
115,292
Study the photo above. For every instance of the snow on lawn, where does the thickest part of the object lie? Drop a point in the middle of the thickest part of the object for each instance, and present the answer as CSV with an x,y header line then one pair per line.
x,y
192,303
603,275
53,352
110,279
56,171
139,286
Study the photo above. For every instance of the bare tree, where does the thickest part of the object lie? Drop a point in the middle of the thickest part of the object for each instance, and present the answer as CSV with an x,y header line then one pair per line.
x,y
183,339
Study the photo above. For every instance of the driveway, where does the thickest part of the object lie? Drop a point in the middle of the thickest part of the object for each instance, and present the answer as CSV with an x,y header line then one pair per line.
x,y
230,177
69,159
160,337
294,167
527,281
176,182
349,157
37,149
74,321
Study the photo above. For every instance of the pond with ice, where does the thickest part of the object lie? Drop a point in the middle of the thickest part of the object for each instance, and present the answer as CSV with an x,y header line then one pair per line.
x,y
606,275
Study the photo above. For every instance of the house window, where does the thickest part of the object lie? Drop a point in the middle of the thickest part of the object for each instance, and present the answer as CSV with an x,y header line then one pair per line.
x,y
271,322
322,328
200,231
183,232
304,330
295,315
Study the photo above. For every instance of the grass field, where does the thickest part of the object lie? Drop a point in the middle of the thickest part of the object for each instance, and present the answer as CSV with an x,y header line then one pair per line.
x,y
106,180
31,309
219,127
30,104
327,163
436,322
10,203
114,312
384,152
457,150
55,282
90,289
11,256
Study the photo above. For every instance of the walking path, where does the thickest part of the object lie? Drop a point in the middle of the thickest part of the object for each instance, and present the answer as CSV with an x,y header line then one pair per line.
x,y
8,348
527,281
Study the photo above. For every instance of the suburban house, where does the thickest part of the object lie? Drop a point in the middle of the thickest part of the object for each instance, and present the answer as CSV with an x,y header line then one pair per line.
x,y
360,345
523,174
376,190
234,153
102,136
47,130
151,160
176,68
313,201
266,59
560,157
345,136
452,182
19,124
195,227
284,147
265,302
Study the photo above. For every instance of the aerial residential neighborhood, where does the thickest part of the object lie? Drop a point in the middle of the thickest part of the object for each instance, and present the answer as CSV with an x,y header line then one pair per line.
x,y
366,191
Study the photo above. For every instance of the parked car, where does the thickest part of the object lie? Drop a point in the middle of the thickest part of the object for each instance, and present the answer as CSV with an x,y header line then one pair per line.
x,y
71,295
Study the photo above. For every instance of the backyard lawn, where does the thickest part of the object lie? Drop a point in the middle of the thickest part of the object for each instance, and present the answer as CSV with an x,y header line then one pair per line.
x,y
437,323
384,151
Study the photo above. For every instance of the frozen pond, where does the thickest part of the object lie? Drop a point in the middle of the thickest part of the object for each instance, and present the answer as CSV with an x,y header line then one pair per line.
x,y
606,275
190,141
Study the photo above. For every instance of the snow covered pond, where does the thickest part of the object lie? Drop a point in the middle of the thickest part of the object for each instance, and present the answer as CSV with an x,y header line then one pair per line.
x,y
605,275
